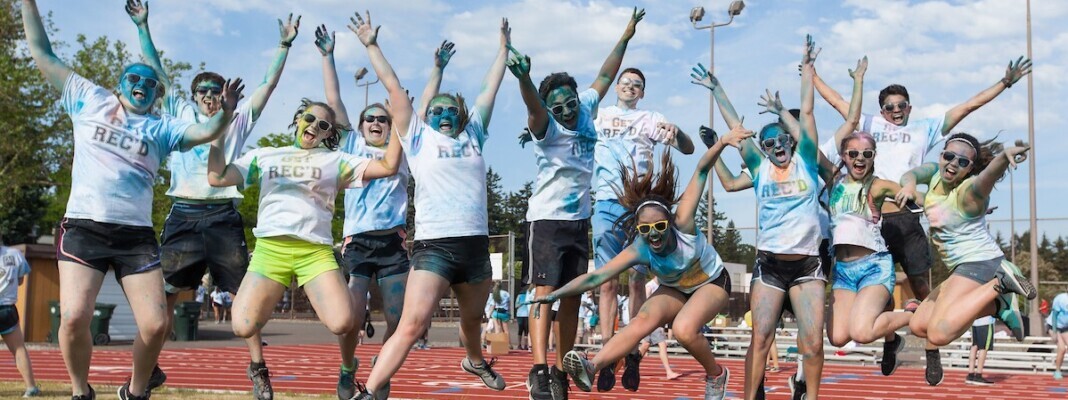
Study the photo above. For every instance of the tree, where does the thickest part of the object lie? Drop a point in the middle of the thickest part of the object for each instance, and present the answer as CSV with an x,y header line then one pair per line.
x,y
495,204
515,209
250,205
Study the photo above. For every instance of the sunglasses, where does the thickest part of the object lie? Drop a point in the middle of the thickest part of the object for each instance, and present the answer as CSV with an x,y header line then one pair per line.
x,y
962,161
559,108
868,154
322,125
438,110
372,118
888,107
659,226
775,141
213,90
634,83
135,78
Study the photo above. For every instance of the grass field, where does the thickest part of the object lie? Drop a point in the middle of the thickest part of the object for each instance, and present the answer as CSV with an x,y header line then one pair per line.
x,y
61,390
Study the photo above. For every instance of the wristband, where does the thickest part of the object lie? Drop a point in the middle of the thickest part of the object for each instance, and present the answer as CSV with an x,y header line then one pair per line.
x,y
1006,82
285,44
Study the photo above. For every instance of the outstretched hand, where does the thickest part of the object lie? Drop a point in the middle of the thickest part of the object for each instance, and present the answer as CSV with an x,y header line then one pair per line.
x,y
862,67
1017,154
444,53
632,26
232,94
323,41
288,30
138,11
506,33
708,136
367,33
1014,72
737,134
772,104
702,77
811,52
546,299
518,63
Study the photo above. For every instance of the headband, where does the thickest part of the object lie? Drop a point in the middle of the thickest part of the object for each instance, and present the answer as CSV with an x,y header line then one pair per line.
x,y
965,141
652,202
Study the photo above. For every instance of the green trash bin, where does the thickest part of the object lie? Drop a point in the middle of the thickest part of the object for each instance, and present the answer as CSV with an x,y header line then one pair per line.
x,y
98,327
186,321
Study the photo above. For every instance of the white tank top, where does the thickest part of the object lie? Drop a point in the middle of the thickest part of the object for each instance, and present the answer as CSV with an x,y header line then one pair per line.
x,y
854,218
789,213
959,238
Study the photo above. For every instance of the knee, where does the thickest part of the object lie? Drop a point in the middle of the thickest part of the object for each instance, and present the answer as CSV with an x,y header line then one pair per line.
x,y
939,338
153,328
762,342
410,328
837,340
862,335
918,327
341,326
75,322
810,347
687,335
244,330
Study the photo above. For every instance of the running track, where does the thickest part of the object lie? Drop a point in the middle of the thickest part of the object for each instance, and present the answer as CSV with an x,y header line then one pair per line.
x,y
436,374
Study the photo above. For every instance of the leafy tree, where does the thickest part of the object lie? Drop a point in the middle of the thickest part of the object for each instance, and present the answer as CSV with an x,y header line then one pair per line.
x,y
249,206
495,204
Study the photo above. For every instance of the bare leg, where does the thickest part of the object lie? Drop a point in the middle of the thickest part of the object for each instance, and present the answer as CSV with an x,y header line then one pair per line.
x,y
962,301
567,323
1062,345
661,308
702,306
255,303
148,302
808,301
17,346
636,285
392,301
971,358
868,321
608,308
766,304
347,341
79,286
540,325
668,373
421,297
841,310
981,362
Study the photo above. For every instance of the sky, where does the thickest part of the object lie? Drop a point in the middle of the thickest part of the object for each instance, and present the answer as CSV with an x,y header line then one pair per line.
x,y
943,51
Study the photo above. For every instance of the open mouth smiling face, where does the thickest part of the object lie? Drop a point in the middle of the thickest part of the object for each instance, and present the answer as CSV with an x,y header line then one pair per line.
x,y
375,126
653,224
956,162
859,158
896,109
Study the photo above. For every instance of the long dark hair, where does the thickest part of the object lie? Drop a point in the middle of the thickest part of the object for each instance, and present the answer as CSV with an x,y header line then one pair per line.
x,y
332,141
985,151
637,189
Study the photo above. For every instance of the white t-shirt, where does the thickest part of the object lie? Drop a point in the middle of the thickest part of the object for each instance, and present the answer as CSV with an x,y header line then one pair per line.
x,y
789,211
12,267
450,179
189,169
380,204
298,187
221,297
116,155
623,136
565,165
899,149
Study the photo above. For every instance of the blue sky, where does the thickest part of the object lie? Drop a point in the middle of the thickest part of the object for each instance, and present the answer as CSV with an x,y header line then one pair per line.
x,y
943,51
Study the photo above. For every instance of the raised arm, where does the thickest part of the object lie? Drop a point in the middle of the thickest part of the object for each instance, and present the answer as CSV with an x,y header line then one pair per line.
x,y
684,214
138,12
537,116
441,59
324,41
621,262
921,174
773,104
1013,73
492,82
853,118
287,33
750,154
400,105
830,95
216,126
675,137
807,145
976,200
608,71
53,69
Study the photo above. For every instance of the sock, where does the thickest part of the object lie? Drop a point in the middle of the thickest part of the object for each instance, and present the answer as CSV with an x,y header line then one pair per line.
x,y
347,369
800,371
257,365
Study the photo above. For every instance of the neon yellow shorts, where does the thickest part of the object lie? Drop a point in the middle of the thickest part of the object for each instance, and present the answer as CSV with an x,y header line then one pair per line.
x,y
279,259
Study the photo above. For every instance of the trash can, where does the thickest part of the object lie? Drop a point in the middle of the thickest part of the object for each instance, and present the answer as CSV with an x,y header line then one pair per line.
x,y
98,327
186,321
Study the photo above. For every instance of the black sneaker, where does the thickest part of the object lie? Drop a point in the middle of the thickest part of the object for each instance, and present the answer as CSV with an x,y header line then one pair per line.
x,y
124,393
559,384
261,383
797,388
88,396
934,374
890,350
538,383
492,379
760,395
157,379
606,380
631,377
976,379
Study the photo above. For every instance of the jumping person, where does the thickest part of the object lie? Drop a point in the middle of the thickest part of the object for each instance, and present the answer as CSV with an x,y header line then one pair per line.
x,y
560,121
119,144
443,146
693,284
13,270
658,337
982,281
903,145
203,230
788,263
375,217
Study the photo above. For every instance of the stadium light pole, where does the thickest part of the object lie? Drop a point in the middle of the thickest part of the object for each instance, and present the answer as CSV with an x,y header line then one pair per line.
x,y
366,85
1035,317
696,15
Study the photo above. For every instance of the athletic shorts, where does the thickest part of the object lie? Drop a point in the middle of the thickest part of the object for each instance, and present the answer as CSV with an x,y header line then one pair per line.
x,y
101,246
381,256
199,237
783,275
457,259
907,242
870,270
983,337
281,259
523,323
9,318
500,314
979,271
608,238
559,252
656,336
825,258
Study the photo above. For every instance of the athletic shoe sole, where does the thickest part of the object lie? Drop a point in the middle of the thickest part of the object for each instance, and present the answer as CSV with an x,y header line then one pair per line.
x,y
576,368
1010,281
896,351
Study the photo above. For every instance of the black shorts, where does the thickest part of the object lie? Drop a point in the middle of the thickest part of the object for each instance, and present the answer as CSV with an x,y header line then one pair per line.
x,y
366,255
524,327
101,246
825,258
203,237
907,242
979,271
9,318
983,337
462,259
783,275
558,252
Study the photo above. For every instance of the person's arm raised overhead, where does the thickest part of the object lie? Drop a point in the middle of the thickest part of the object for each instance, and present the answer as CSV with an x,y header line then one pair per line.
x,y
324,42
492,82
138,12
400,105
537,116
687,208
701,77
975,201
832,97
54,70
1013,73
288,33
441,59
853,118
608,71
807,144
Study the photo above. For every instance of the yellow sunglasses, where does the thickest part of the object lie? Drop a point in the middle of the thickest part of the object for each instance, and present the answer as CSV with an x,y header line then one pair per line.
x,y
659,226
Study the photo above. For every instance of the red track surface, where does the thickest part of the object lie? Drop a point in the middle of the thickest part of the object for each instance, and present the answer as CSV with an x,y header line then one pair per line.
x,y
436,374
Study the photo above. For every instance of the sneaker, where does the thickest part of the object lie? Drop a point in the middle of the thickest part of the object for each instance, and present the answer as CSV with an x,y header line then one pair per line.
x,y
890,350
716,387
346,384
124,393
976,379
580,369
760,395
383,393
157,379
362,393
261,383
1056,376
88,396
606,380
484,371
934,374
32,392
538,383
559,385
797,388
631,376
1011,280
1008,311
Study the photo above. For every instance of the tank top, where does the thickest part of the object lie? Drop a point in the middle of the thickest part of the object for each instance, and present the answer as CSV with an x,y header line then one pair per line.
x,y
854,218
789,212
959,238
693,263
